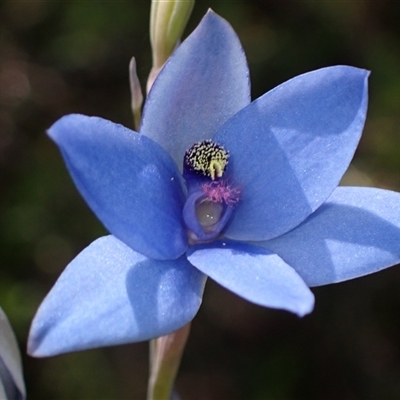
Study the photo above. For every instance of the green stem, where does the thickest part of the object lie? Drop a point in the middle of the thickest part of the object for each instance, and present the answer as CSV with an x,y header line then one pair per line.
x,y
165,357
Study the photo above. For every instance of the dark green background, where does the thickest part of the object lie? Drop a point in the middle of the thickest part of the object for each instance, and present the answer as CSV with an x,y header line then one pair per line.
x,y
58,57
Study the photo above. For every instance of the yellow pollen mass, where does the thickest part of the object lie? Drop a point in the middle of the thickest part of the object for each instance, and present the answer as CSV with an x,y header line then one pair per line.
x,y
207,158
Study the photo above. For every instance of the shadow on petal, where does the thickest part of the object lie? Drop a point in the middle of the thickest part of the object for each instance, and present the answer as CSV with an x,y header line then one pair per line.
x,y
340,242
204,83
272,201
290,148
109,295
164,295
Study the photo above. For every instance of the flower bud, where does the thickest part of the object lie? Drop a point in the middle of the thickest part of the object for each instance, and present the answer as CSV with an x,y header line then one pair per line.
x,y
167,22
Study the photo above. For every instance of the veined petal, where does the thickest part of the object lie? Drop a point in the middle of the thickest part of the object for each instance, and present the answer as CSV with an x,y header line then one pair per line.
x,y
254,274
290,148
204,83
355,233
11,380
111,295
130,182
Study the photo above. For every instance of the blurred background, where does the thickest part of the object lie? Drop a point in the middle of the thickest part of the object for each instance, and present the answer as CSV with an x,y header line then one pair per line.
x,y
59,57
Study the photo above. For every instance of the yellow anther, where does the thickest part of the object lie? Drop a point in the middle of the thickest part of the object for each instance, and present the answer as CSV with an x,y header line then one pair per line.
x,y
216,169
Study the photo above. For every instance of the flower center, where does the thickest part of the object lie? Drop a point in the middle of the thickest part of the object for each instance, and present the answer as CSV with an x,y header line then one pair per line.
x,y
211,199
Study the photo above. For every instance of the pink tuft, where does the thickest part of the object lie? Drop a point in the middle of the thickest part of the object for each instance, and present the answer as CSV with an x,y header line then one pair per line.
x,y
221,192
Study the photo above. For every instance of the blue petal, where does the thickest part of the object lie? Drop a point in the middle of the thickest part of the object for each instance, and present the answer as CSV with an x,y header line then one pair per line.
x,y
130,182
290,148
2,391
111,295
11,380
254,274
8,389
204,83
355,233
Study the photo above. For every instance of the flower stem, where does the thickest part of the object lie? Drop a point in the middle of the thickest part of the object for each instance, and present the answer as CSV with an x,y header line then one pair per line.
x,y
165,357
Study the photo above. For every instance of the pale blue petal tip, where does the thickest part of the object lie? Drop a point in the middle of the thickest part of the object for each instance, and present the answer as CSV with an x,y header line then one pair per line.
x,y
111,295
254,274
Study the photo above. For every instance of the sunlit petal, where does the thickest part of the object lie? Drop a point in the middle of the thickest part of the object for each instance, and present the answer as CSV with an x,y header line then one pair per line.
x,y
355,233
254,274
111,295
290,148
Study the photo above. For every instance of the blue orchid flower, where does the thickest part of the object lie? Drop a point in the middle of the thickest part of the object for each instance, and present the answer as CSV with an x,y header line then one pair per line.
x,y
215,185
12,385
